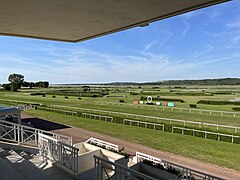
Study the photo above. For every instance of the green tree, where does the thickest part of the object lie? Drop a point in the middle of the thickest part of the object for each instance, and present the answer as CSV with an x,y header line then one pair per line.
x,y
16,81
6,87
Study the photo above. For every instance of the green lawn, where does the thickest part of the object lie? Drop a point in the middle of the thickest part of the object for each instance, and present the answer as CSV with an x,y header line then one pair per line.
x,y
219,153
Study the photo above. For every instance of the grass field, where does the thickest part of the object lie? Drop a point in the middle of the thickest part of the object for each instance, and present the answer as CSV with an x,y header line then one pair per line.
x,y
216,152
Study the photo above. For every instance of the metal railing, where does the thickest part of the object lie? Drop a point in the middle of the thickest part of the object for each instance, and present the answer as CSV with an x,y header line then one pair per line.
x,y
105,169
187,173
104,144
60,152
26,135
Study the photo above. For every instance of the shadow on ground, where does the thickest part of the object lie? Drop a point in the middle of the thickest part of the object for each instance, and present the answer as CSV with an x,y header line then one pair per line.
x,y
43,124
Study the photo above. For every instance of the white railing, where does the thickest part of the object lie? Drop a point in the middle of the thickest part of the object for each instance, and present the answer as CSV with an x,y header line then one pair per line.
x,y
73,113
158,119
173,128
60,152
26,135
96,116
206,133
190,110
143,124
186,173
104,144
104,169
26,108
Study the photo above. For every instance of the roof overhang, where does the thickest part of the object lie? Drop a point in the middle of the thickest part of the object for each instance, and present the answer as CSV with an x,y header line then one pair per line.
x,y
9,110
79,20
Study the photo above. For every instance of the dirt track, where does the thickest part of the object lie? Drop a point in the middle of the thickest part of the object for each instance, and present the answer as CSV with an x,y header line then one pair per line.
x,y
80,135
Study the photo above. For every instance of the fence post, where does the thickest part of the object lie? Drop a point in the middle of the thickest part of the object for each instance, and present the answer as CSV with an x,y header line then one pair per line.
x,y
232,138
218,137
205,134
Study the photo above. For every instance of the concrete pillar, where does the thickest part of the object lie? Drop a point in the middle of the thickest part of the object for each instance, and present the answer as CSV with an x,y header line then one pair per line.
x,y
19,118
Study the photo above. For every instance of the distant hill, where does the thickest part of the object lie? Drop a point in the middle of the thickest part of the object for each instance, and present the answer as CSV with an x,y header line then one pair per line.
x,y
220,81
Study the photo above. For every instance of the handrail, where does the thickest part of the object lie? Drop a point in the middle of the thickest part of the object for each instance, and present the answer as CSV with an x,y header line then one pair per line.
x,y
186,172
24,134
121,172
58,151
107,145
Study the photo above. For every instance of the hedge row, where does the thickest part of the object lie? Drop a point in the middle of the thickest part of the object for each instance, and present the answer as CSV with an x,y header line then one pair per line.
x,y
236,108
218,102
143,98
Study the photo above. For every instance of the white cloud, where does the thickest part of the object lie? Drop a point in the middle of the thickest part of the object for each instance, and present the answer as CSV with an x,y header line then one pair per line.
x,y
186,29
149,45
190,14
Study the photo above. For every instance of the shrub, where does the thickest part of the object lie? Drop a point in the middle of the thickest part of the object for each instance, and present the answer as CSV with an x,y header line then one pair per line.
x,y
66,97
218,102
163,99
6,87
43,95
121,100
236,108
53,96
192,105
37,93
133,93
79,98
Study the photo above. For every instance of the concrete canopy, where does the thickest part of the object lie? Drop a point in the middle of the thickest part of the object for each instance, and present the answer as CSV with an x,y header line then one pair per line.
x,y
78,20
9,110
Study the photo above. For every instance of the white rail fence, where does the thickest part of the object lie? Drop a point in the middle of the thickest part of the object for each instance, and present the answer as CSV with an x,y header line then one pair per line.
x,y
60,152
204,134
26,135
74,113
104,144
199,111
217,136
96,116
158,119
186,173
26,107
143,124
103,169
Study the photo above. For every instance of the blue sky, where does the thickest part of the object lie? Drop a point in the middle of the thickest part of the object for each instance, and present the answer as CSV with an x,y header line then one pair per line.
x,y
200,44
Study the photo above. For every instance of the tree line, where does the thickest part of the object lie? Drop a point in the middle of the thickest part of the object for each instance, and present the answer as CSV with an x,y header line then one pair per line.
x,y
212,82
16,81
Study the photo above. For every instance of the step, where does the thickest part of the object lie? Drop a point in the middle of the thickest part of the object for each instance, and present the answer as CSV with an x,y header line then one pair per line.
x,y
8,172
48,168
24,167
